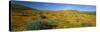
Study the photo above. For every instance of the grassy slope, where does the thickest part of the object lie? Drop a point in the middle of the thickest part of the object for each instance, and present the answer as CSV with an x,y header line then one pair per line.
x,y
63,19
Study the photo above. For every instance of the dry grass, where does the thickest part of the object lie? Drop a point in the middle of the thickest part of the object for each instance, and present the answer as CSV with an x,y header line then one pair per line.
x,y
63,19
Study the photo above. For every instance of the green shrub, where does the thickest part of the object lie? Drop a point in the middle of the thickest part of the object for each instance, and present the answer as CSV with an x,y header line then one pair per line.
x,y
40,25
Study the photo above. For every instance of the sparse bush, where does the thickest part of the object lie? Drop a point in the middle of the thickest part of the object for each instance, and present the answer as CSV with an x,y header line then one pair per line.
x,y
40,24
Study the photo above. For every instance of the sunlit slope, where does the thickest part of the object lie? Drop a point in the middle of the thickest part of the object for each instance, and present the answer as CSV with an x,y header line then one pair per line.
x,y
61,18
25,18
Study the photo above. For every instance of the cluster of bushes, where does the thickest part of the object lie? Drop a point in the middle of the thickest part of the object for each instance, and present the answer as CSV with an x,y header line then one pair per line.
x,y
40,24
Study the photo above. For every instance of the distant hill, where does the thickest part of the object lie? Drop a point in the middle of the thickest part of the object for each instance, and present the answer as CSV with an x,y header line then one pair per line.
x,y
16,6
19,8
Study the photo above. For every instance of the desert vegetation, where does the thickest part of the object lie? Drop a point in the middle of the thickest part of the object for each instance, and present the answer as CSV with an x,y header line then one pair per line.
x,y
44,19
23,19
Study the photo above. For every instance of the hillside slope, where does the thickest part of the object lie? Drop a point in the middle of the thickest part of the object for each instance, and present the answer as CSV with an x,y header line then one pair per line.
x,y
62,19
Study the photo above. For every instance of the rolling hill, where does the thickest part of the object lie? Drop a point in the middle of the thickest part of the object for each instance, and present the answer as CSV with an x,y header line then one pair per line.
x,y
22,17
